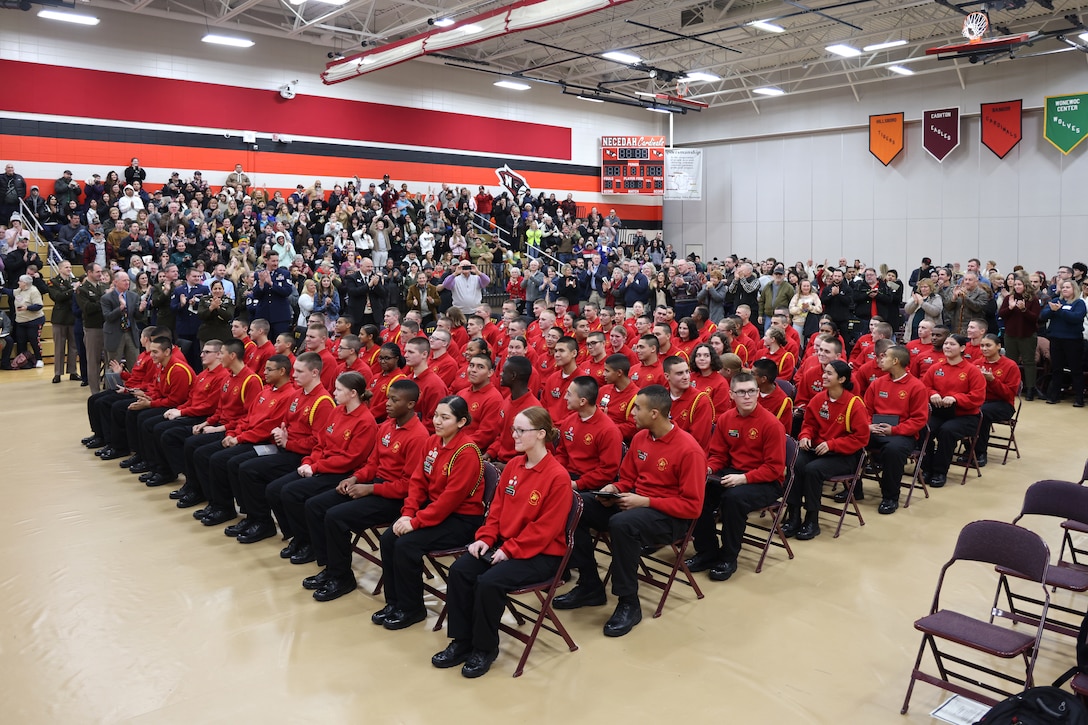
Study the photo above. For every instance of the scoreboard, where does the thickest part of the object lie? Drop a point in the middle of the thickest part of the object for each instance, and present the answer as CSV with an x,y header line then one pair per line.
x,y
633,165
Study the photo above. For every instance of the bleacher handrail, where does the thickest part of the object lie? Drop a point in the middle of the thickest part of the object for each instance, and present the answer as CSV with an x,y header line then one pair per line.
x,y
37,235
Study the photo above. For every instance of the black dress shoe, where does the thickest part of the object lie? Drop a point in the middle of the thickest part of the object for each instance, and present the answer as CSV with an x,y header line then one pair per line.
x,y
177,493
74,377
103,451
112,454
479,662
257,532
235,529
702,561
139,467
145,477
219,515
455,653
1051,401
379,616
888,506
792,525
723,570
808,530
627,615
315,582
56,379
161,479
290,550
982,460
130,461
84,384
937,480
94,442
1078,403
1030,394
581,596
337,587
88,439
189,500
304,554
400,619
843,495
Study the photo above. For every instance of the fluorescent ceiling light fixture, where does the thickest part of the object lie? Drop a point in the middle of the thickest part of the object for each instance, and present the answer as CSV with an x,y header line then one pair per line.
x,y
655,109
621,57
366,60
769,91
767,26
68,17
884,46
591,100
444,22
646,94
845,51
513,85
227,40
699,75
901,70
1082,36
470,28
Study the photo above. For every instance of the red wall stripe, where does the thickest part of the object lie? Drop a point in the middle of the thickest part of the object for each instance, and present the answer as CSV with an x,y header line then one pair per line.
x,y
94,94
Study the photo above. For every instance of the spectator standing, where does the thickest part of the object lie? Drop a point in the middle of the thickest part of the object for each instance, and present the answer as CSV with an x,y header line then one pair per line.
x,y
62,290
467,287
12,189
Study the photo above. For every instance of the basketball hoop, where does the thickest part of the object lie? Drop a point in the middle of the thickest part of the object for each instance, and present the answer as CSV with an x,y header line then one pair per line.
x,y
975,26
681,88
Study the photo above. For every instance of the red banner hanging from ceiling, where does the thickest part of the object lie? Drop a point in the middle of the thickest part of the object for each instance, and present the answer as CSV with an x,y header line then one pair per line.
x,y
1002,126
941,132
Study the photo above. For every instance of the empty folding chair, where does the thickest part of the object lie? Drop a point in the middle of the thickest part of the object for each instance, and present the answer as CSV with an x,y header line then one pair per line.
x,y
1072,526
997,544
765,539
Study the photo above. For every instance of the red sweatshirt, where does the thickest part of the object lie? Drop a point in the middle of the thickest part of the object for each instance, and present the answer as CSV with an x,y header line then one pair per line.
x,y
345,442
398,453
593,369
972,352
529,514
359,366
431,390
809,383
1006,382
778,404
250,355
172,383
843,424
485,406
307,414
962,381
864,376
330,368
143,372
262,354
646,375
863,351
450,477
670,471
371,357
379,392
625,351
916,347
238,391
754,444
266,413
921,364
204,393
742,348
503,447
784,359
446,367
905,397
617,405
553,396
694,412
590,448
717,386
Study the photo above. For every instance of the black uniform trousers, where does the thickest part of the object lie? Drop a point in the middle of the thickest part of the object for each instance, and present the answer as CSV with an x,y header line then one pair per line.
x,y
991,410
735,503
210,462
476,594
331,517
402,556
255,474
946,428
98,410
891,453
199,448
812,470
151,442
139,420
293,495
629,531
117,429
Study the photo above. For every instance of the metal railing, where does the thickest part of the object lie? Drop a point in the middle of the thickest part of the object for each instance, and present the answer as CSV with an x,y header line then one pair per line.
x,y
37,236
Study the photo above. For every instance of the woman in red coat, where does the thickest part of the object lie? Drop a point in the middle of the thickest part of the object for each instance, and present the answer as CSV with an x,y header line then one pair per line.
x,y
522,542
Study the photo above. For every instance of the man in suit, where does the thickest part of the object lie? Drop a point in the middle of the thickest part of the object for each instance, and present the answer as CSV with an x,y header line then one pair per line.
x,y
119,308
184,301
272,289
364,295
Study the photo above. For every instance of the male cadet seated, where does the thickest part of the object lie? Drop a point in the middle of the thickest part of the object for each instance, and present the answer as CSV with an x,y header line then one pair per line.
x,y
899,404
590,444
660,490
744,473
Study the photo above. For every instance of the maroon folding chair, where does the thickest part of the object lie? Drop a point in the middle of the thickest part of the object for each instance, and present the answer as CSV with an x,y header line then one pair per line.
x,y
997,544
1072,526
765,539
914,458
965,448
371,536
1007,442
849,481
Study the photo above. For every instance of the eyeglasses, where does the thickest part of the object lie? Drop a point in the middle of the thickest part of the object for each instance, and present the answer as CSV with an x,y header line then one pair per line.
x,y
519,432
746,393
207,352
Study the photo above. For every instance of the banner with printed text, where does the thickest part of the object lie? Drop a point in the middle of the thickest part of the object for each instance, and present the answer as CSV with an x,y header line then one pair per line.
x,y
941,132
886,136
1066,121
1002,126
684,174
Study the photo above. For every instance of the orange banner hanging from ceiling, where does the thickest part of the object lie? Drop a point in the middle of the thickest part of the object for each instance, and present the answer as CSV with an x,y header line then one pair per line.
x,y
886,136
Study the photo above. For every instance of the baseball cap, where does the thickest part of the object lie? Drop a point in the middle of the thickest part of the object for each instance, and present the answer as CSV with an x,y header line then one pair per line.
x,y
927,260
779,269
33,188
95,176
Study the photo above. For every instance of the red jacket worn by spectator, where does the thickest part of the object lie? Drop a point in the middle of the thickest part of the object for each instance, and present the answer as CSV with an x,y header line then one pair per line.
x,y
694,412
843,424
590,448
1006,382
379,392
172,383
778,404
529,514
616,404
344,443
307,414
449,480
670,471
205,393
266,413
754,444
962,381
238,392
905,397
398,453
503,447
485,406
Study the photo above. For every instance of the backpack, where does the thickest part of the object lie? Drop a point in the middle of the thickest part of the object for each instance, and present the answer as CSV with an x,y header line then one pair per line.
x,y
1038,706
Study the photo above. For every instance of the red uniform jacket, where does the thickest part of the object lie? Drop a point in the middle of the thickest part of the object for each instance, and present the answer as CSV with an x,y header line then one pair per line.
x,y
172,383
235,396
962,381
864,376
262,353
503,448
449,480
617,406
809,383
529,514
754,444
778,404
916,347
398,453
379,392
646,375
250,355
717,386
143,372
694,412
670,471
921,364
431,390
590,448
330,368
446,368
345,442
307,414
625,351
485,406
905,397
863,351
359,366
784,359
264,414
843,424
553,396
742,348
593,369
371,357
1006,382
204,393
972,352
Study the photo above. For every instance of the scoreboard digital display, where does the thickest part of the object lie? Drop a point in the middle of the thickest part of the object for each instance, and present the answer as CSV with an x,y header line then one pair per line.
x,y
633,165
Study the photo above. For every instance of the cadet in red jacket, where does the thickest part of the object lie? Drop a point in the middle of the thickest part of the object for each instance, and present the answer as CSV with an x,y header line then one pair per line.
x,y
810,380
957,392
100,403
593,365
617,396
933,354
706,374
553,393
1002,385
171,387
263,347
443,509
746,466
515,376
897,393
871,369
372,496
485,403
315,341
442,363
771,396
648,371
692,409
659,492
390,364
521,542
590,444
343,445
835,431
347,352
431,387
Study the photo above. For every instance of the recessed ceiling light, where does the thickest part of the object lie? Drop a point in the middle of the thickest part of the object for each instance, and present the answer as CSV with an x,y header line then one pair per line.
x,y
591,100
621,57
769,91
227,40
513,85
699,75
444,22
884,46
845,51
767,26
901,70
470,28
68,17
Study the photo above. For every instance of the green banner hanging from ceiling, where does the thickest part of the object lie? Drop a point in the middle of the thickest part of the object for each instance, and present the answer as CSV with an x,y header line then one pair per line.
x,y
1066,121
